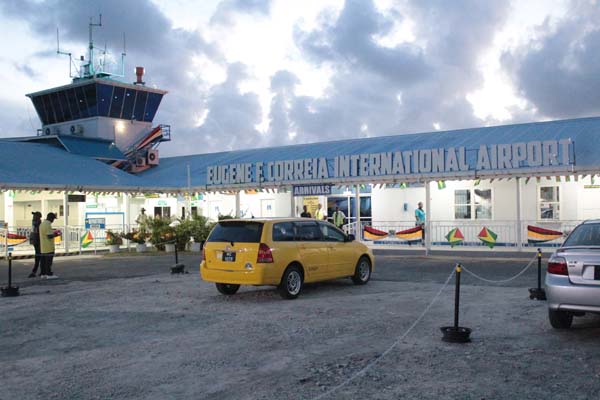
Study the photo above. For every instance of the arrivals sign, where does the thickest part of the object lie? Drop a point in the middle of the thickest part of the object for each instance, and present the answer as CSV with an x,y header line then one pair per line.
x,y
439,161
312,190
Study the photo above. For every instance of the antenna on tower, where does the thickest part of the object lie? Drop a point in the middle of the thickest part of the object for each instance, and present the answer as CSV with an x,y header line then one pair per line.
x,y
64,53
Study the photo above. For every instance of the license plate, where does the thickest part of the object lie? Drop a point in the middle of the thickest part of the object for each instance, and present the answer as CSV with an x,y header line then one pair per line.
x,y
230,256
597,273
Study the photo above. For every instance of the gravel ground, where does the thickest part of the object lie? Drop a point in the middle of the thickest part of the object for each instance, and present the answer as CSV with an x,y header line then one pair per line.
x,y
164,336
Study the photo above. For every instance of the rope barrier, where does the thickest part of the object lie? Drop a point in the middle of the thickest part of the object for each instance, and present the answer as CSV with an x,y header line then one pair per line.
x,y
501,280
389,349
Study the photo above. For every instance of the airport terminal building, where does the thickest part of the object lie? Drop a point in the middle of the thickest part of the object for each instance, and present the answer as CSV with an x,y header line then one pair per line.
x,y
95,162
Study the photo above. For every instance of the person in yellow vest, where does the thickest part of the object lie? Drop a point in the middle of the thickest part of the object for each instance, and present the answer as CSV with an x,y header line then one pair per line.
x,y
319,214
47,235
338,217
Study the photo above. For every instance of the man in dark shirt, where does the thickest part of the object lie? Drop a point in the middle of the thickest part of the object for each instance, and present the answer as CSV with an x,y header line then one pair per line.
x,y
305,213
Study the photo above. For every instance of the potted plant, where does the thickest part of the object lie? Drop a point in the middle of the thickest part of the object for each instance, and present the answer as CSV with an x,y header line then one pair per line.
x,y
139,238
199,230
113,241
159,231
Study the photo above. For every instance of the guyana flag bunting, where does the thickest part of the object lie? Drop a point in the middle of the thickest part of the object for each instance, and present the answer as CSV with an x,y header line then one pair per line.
x,y
441,185
455,237
476,182
370,233
86,239
488,237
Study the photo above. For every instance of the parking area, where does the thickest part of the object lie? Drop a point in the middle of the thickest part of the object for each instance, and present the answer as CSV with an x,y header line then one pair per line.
x,y
125,328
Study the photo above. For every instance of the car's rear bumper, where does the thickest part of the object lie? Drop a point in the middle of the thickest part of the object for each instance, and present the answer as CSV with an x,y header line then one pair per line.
x,y
564,295
255,276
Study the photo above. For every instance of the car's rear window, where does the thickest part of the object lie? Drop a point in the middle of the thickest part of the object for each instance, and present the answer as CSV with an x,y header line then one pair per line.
x,y
584,235
236,231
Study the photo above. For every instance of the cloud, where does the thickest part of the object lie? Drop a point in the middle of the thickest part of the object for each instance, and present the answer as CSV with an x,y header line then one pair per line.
x,y
227,9
382,90
231,119
558,72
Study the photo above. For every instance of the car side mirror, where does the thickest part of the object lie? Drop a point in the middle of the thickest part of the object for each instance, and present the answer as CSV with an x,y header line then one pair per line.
x,y
350,238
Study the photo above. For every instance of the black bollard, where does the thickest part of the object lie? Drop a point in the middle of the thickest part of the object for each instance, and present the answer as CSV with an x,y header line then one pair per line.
x,y
456,334
538,293
177,268
9,291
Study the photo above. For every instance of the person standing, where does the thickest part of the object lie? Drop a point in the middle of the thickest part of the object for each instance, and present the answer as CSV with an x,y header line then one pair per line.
x,y
47,235
338,217
34,239
142,219
305,213
420,220
319,214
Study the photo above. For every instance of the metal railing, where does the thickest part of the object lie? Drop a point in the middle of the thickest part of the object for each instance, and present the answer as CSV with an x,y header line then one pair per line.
x,y
508,233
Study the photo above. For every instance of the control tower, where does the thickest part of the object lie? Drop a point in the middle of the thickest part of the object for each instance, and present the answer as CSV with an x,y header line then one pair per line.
x,y
96,108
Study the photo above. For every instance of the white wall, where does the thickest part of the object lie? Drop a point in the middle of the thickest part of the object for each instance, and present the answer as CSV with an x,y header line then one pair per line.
x,y
388,204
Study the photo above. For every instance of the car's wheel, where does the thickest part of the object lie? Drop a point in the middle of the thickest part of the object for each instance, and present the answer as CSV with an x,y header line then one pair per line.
x,y
291,282
362,272
226,288
560,319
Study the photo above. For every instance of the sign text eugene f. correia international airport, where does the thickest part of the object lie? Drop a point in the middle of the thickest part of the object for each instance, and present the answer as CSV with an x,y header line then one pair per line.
x,y
428,161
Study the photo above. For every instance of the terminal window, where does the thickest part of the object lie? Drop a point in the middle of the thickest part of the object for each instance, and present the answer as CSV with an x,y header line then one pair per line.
x,y
549,202
473,204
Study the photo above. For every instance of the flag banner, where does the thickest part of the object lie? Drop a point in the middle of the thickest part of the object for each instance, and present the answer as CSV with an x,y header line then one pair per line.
x,y
403,186
441,185
370,233
411,234
539,235
488,237
558,179
567,178
527,180
12,239
455,237
476,182
87,239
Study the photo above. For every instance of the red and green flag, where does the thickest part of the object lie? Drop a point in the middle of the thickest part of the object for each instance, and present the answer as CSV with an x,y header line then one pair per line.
x,y
455,237
86,239
488,237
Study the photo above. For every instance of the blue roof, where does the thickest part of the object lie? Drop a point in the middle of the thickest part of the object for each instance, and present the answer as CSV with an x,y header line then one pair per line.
x,y
584,132
36,165
33,165
97,148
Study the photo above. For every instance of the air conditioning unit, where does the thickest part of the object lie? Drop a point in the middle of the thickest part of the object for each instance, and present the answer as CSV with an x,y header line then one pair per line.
x,y
47,132
76,130
152,157
140,162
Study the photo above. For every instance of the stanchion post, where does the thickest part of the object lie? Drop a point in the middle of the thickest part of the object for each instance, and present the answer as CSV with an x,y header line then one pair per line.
x,y
10,290
457,296
456,333
538,293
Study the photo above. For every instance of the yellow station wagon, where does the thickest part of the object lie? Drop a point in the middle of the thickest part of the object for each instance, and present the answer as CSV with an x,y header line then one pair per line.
x,y
285,252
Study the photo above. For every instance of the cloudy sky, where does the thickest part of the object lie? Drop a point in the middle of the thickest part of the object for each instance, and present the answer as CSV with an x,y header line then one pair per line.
x,y
254,73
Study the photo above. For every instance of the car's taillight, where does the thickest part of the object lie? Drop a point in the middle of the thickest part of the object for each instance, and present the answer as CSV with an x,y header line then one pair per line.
x,y
264,254
557,266
203,254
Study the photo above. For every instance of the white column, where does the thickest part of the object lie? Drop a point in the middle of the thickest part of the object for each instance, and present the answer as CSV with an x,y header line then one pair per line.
x,y
237,204
66,219
519,222
127,211
427,217
358,232
292,203
9,208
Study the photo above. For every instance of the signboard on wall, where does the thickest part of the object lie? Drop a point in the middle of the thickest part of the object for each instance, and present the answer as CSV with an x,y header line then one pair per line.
x,y
312,190
399,164
95,223
311,203
76,198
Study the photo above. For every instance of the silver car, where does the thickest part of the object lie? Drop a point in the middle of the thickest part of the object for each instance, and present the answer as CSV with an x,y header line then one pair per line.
x,y
573,278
